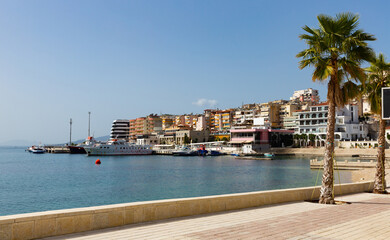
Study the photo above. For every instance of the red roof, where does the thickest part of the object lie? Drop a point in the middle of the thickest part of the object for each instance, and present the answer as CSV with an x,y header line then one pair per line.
x,y
321,104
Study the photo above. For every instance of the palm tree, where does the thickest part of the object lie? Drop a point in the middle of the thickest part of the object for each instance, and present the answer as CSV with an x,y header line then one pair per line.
x,y
335,49
378,77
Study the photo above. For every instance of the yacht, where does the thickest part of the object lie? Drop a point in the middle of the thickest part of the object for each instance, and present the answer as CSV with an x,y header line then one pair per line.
x,y
116,147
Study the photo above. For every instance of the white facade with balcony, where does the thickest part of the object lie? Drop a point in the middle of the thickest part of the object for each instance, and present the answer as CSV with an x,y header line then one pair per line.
x,y
347,125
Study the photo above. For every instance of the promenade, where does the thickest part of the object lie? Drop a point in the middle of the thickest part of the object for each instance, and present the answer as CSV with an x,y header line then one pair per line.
x,y
367,217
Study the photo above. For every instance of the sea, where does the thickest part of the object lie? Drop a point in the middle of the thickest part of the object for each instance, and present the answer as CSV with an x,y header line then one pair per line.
x,y
40,182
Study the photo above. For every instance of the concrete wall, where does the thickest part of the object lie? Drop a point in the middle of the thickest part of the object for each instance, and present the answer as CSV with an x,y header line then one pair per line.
x,y
53,223
339,152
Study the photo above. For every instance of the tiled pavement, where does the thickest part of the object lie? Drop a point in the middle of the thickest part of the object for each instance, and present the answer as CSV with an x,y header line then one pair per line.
x,y
367,217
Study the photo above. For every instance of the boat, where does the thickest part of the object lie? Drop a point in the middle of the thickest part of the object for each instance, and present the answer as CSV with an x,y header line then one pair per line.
x,y
184,151
79,149
214,153
201,151
35,149
117,147
269,155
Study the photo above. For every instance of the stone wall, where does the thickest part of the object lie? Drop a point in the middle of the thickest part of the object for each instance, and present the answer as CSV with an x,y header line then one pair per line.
x,y
59,222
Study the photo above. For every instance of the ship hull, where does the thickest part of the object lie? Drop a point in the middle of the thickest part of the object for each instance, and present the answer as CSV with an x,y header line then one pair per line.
x,y
77,150
117,151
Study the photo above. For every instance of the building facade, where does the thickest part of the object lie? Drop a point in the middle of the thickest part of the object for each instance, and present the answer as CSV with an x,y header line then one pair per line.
x,y
347,125
120,129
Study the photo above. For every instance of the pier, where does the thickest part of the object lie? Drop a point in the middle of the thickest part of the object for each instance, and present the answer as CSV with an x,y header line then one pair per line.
x,y
57,149
345,165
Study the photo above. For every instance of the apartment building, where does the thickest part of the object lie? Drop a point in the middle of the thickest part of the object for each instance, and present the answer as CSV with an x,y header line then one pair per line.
x,y
286,114
144,125
306,96
271,113
167,121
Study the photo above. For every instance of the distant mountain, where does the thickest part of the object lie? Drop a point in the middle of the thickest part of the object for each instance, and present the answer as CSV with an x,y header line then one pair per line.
x,y
24,143
18,143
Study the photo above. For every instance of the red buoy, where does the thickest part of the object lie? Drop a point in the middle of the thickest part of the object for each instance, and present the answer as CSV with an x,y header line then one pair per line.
x,y
98,162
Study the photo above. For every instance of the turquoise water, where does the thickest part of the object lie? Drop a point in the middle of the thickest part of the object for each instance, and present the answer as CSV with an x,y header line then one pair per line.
x,y
39,182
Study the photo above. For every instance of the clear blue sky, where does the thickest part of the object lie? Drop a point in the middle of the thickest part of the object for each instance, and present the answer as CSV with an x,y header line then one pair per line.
x,y
125,59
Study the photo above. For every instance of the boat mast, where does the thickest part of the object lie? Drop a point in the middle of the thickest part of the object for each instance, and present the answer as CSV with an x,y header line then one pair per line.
x,y
89,124
70,133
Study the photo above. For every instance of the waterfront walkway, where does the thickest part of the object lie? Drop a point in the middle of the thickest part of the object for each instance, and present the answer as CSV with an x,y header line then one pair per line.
x,y
367,217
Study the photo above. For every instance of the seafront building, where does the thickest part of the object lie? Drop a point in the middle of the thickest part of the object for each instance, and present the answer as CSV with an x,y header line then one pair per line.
x,y
260,137
347,126
144,126
302,114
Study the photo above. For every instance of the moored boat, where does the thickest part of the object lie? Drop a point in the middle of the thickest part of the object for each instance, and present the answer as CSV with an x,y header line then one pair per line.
x,y
79,149
35,149
269,155
184,151
115,147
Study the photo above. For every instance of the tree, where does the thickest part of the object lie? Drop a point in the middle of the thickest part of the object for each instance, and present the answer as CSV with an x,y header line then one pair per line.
x,y
186,139
312,138
378,77
304,138
335,50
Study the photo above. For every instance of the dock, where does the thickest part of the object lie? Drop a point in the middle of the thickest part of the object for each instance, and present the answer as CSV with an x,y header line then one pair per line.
x,y
57,149
345,165
252,158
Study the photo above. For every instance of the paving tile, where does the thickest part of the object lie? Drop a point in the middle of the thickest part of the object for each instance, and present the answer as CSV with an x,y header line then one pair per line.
x,y
300,220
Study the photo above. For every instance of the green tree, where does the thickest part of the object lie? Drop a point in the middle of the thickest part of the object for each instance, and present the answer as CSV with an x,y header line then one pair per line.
x,y
312,139
378,76
335,50
186,139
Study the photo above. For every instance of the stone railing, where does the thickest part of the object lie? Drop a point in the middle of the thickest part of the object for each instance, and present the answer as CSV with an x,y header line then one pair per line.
x,y
59,222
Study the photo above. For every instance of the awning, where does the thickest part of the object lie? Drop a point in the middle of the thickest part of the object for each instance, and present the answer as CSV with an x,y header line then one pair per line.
x,y
241,141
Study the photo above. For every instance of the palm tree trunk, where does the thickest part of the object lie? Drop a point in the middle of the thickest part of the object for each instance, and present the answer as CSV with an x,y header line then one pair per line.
x,y
326,195
380,182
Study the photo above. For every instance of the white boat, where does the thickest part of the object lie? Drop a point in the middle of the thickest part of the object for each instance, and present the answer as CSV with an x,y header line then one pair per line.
x,y
184,151
35,149
115,147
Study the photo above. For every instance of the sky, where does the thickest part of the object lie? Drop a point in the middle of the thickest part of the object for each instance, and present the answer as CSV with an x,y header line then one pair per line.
x,y
125,59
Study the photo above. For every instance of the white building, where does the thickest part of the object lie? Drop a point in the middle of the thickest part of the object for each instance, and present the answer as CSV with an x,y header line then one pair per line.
x,y
120,129
306,95
242,116
347,126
